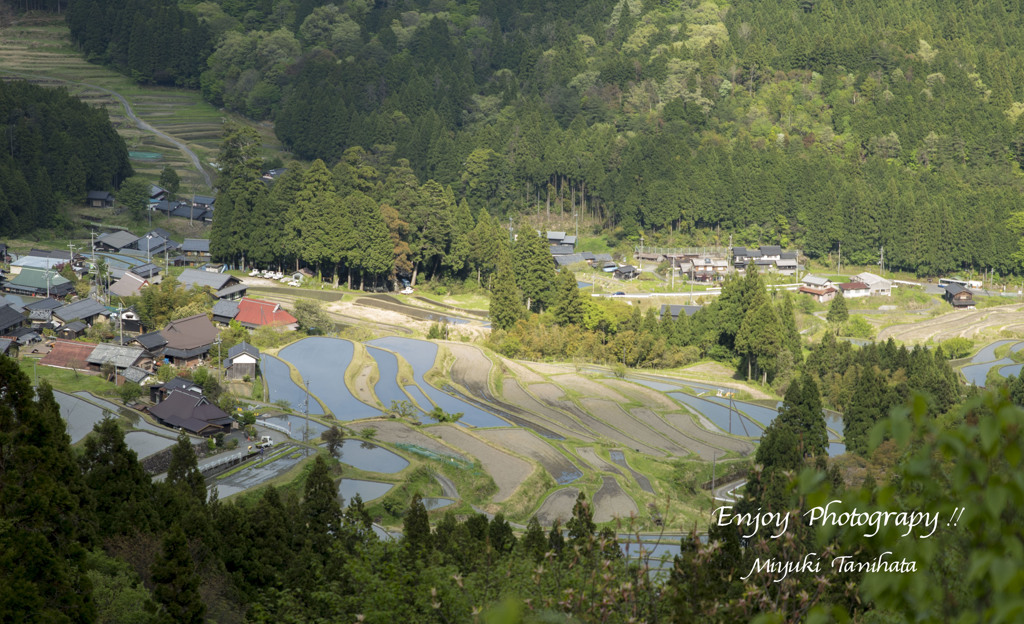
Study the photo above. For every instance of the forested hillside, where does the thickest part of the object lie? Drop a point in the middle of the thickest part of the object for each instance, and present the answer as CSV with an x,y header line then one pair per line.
x,y
54,146
810,123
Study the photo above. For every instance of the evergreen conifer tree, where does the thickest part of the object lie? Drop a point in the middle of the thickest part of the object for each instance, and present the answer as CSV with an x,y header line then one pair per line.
x,y
838,312
506,305
568,308
176,580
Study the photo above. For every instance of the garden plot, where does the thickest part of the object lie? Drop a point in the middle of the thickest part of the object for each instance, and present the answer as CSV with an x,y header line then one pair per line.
x,y
688,444
507,470
590,456
612,417
396,432
525,443
612,502
558,507
557,420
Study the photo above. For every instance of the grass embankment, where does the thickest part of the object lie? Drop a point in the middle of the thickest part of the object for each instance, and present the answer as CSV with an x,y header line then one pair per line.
x,y
66,380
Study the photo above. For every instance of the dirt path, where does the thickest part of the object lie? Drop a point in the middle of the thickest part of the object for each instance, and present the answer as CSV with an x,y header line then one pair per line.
x,y
508,471
396,432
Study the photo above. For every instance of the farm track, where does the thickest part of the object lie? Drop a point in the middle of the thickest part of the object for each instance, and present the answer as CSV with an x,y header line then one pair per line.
x,y
386,302
446,306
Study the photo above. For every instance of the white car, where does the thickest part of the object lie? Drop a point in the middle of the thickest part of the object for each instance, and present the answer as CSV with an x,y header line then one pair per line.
x,y
407,290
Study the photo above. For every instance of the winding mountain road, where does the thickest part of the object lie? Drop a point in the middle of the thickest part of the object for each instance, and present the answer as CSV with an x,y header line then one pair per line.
x,y
130,114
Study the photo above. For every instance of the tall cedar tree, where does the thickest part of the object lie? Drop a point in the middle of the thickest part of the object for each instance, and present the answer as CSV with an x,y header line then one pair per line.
x,y
321,510
568,308
183,472
322,217
801,410
760,339
373,254
506,306
535,272
176,580
46,511
838,312
113,472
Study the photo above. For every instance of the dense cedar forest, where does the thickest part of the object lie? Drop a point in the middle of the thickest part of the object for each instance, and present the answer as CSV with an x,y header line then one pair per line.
x,y
808,124
54,147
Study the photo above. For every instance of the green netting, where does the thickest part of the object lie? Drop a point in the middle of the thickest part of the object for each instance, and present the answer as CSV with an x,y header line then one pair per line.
x,y
419,450
144,156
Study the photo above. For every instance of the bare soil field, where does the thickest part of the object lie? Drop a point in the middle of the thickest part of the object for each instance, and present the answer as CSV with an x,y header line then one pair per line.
x,y
546,368
953,324
590,456
525,443
611,502
471,369
650,398
688,444
397,432
619,426
507,470
522,372
587,387
361,386
558,421
684,423
558,506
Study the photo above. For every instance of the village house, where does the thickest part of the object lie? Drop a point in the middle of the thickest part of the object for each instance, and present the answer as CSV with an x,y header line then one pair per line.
x,y
959,297
188,340
675,310
253,313
626,272
120,357
203,201
821,294
223,285
160,391
876,284
99,199
39,283
195,414
129,285
153,343
224,311
766,258
194,252
242,361
115,241
10,319
816,282
69,354
8,347
86,310
852,290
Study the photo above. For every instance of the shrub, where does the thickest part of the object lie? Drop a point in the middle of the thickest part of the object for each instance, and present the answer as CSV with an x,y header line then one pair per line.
x,y
857,327
958,347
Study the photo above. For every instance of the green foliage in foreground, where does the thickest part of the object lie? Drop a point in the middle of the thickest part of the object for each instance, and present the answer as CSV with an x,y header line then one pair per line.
x,y
90,536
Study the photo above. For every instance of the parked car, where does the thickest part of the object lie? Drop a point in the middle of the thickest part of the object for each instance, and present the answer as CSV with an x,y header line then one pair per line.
x,y
406,291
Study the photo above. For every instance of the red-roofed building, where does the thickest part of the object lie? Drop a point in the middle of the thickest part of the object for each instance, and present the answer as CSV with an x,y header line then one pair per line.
x,y
253,313
69,354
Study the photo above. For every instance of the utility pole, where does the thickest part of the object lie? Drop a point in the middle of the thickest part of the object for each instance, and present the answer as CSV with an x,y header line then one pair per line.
x,y
840,269
881,258
576,218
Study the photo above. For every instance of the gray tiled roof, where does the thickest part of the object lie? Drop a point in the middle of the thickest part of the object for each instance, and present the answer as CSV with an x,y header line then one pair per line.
x,y
119,239
243,347
201,245
120,356
83,309
225,309
195,278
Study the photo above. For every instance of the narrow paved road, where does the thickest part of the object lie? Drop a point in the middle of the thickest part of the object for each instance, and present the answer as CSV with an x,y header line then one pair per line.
x,y
131,115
